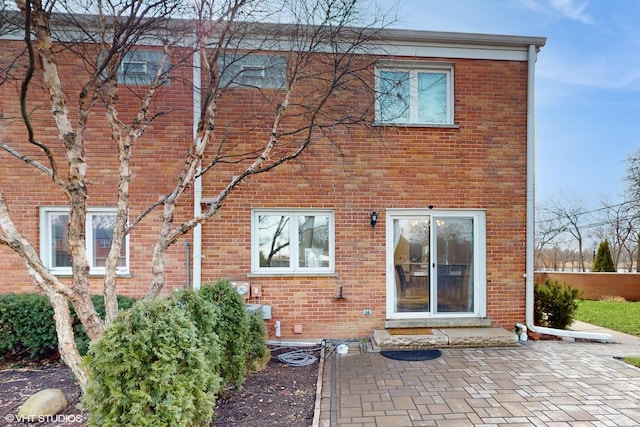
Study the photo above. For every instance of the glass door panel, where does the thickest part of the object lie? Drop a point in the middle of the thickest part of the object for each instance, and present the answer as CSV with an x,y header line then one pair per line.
x,y
411,260
454,274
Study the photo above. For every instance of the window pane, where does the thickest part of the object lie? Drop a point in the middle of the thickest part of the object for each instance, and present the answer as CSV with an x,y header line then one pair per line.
x,y
134,67
394,97
455,264
313,239
273,240
432,98
254,70
140,67
59,243
103,226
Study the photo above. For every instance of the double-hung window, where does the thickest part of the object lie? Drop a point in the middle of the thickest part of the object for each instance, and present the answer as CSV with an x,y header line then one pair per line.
x,y
292,242
420,94
54,243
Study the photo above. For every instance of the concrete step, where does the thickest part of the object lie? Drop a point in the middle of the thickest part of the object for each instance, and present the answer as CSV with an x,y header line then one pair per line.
x,y
465,322
446,338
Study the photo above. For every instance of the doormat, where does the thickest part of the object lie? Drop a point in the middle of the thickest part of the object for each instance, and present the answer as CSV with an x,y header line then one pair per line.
x,y
409,331
411,355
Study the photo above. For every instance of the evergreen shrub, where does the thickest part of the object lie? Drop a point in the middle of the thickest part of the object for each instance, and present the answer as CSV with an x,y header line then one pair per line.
x,y
79,331
28,329
204,316
148,369
555,304
258,353
603,261
232,329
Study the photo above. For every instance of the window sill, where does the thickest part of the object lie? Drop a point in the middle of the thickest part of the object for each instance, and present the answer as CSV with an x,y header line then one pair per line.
x,y
417,125
93,275
292,274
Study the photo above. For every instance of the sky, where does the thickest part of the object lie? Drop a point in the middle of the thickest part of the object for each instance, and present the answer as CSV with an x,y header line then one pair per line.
x,y
587,83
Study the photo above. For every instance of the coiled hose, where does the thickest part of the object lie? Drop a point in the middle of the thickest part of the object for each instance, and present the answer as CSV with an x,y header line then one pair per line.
x,y
298,357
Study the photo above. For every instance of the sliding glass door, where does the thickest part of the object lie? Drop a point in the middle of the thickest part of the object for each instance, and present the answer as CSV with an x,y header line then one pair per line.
x,y
454,266
435,263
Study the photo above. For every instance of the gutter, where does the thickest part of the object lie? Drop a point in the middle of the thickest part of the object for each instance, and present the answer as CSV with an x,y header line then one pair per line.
x,y
196,276
529,275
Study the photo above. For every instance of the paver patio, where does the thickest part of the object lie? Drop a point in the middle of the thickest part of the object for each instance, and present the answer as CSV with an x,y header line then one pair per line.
x,y
538,383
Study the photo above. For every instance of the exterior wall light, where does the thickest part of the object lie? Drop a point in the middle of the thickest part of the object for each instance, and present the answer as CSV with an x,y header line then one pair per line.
x,y
374,219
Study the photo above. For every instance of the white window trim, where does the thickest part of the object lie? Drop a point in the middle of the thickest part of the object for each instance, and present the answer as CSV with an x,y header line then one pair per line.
x,y
413,69
294,268
46,244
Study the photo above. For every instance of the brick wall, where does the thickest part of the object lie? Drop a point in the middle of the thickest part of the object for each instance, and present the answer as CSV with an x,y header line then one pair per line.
x,y
597,285
481,164
154,170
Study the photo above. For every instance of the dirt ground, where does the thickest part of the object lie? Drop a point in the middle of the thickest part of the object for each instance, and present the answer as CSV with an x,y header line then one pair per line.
x,y
278,395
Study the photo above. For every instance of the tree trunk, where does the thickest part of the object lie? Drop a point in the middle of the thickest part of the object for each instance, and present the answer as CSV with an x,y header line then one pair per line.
x,y
157,268
66,344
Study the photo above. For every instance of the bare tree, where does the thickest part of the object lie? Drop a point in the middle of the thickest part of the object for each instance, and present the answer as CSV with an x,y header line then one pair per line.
x,y
321,49
548,229
567,217
616,224
632,193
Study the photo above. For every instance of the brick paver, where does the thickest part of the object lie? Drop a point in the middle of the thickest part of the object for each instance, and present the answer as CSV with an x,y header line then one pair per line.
x,y
539,383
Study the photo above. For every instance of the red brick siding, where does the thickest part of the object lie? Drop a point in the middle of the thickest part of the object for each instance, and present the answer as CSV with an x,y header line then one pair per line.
x,y
480,165
154,171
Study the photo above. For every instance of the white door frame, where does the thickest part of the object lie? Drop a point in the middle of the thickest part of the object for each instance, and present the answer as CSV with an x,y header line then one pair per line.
x,y
479,270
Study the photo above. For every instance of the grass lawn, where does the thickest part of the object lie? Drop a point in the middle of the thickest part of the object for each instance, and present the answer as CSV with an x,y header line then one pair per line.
x,y
619,316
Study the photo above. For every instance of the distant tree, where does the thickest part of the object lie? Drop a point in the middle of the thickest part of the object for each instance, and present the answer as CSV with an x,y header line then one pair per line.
x,y
603,260
632,193
565,215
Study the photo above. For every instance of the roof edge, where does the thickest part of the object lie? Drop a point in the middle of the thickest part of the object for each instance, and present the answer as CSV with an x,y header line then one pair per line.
x,y
425,36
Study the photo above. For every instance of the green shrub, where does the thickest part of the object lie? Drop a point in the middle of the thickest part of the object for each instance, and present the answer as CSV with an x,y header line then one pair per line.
x,y
204,316
258,353
27,327
148,369
232,330
79,331
555,304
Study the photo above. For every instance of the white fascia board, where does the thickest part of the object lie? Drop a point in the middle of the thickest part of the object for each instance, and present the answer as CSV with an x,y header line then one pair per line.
x,y
454,52
384,49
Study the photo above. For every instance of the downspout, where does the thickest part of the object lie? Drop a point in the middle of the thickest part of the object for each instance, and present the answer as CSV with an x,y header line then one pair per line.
x,y
196,277
529,276
187,246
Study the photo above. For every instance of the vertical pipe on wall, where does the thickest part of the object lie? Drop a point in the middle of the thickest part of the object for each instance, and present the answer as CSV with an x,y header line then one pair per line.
x,y
187,246
529,274
197,185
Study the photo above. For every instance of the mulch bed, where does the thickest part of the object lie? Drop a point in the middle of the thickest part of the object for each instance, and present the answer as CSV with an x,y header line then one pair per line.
x,y
277,395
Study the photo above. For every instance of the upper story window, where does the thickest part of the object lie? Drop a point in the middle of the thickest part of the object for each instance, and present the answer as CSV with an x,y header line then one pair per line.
x,y
140,67
417,94
253,70
54,243
298,242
